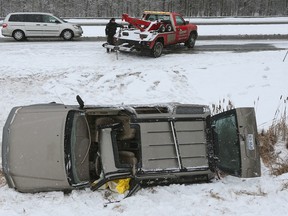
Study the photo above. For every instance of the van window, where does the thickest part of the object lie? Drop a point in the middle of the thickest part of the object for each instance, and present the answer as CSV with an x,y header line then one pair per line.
x,y
34,18
49,19
17,18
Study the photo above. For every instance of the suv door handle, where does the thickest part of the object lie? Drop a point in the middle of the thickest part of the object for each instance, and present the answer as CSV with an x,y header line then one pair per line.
x,y
37,24
45,25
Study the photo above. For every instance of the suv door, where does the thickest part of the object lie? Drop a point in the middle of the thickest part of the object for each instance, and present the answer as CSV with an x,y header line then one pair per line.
x,y
34,24
235,141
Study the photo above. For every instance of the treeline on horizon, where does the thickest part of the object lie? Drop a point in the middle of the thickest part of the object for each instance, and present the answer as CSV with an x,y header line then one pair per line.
x,y
115,8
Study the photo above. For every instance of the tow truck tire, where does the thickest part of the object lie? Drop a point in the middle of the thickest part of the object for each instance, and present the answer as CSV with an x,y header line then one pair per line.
x,y
157,49
190,43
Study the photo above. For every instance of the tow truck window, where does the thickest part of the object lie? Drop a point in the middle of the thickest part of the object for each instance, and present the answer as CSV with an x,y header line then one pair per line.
x,y
179,20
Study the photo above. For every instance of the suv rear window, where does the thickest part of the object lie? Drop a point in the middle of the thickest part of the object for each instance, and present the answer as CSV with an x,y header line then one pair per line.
x,y
17,18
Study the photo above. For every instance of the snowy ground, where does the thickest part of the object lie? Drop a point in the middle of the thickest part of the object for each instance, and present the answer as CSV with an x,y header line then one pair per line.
x,y
38,72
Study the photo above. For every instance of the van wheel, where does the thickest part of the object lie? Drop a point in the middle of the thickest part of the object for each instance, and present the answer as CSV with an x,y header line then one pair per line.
x,y
157,49
67,34
18,35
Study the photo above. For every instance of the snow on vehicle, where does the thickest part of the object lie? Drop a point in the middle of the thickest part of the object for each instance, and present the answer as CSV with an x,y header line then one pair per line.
x,y
153,32
62,147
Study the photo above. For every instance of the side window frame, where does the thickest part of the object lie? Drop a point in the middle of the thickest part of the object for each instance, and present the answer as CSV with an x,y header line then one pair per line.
x,y
178,19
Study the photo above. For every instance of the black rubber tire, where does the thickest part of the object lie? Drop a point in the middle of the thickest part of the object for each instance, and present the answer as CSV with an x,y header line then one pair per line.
x,y
157,49
161,29
67,34
169,28
190,43
18,35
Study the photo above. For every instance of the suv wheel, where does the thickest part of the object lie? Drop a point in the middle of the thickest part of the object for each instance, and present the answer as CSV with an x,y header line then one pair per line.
x,y
18,35
190,43
67,34
157,49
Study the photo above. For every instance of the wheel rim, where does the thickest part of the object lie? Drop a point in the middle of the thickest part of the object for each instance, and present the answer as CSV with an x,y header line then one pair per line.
x,y
67,35
18,35
158,49
192,40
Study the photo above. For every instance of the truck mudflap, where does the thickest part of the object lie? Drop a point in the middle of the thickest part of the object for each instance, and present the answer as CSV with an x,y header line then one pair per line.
x,y
122,47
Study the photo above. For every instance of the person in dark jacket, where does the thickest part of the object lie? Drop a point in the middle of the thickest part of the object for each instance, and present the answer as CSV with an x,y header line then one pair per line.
x,y
110,31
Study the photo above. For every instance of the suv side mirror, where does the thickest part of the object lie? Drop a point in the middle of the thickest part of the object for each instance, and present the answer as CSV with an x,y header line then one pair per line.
x,y
57,22
186,22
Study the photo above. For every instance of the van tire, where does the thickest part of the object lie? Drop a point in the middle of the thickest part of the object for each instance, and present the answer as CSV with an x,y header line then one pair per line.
x,y
18,35
67,34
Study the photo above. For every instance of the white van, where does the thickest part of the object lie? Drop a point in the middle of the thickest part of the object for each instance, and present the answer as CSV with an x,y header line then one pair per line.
x,y
34,24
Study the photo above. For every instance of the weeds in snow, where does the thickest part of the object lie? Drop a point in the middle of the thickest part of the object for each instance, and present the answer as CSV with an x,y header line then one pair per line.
x,y
2,179
276,133
222,106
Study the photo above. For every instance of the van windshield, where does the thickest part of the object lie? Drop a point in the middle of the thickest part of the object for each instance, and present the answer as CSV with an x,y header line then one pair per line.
x,y
61,19
76,146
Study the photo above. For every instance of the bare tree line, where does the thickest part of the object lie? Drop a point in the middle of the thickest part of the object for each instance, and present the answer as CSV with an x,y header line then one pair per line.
x,y
114,8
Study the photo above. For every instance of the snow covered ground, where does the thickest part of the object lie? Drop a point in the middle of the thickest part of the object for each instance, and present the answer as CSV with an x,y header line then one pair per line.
x,y
40,72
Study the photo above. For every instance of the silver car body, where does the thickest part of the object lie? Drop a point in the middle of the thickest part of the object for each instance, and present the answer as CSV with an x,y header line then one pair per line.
x,y
57,147
36,24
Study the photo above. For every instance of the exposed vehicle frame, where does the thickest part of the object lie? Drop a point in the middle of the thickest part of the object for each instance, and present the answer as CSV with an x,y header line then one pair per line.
x,y
58,147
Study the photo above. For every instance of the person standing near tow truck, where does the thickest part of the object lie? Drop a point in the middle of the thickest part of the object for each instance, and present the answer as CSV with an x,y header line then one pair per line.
x,y
110,31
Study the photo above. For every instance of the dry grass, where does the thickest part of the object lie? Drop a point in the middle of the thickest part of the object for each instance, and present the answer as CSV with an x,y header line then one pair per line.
x,y
222,106
277,132
2,179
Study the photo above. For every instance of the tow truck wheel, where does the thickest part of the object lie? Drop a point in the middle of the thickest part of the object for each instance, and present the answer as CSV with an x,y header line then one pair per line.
x,y
190,43
157,49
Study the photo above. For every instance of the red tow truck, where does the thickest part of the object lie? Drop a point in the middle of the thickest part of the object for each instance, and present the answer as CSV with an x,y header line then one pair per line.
x,y
154,31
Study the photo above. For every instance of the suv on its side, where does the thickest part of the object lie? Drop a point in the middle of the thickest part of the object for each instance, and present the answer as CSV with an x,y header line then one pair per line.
x,y
61,147
29,24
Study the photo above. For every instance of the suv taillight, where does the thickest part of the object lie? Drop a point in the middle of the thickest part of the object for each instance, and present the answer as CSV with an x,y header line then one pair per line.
x,y
4,25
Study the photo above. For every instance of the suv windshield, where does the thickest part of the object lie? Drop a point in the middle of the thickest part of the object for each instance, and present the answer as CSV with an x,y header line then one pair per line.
x,y
77,144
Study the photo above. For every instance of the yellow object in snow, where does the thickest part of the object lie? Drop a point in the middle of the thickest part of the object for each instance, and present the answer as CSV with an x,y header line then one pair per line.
x,y
120,185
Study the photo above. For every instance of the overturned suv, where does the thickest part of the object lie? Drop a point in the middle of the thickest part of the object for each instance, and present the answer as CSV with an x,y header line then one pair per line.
x,y
59,147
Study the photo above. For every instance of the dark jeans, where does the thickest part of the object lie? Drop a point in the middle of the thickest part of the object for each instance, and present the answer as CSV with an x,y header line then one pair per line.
x,y
110,40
